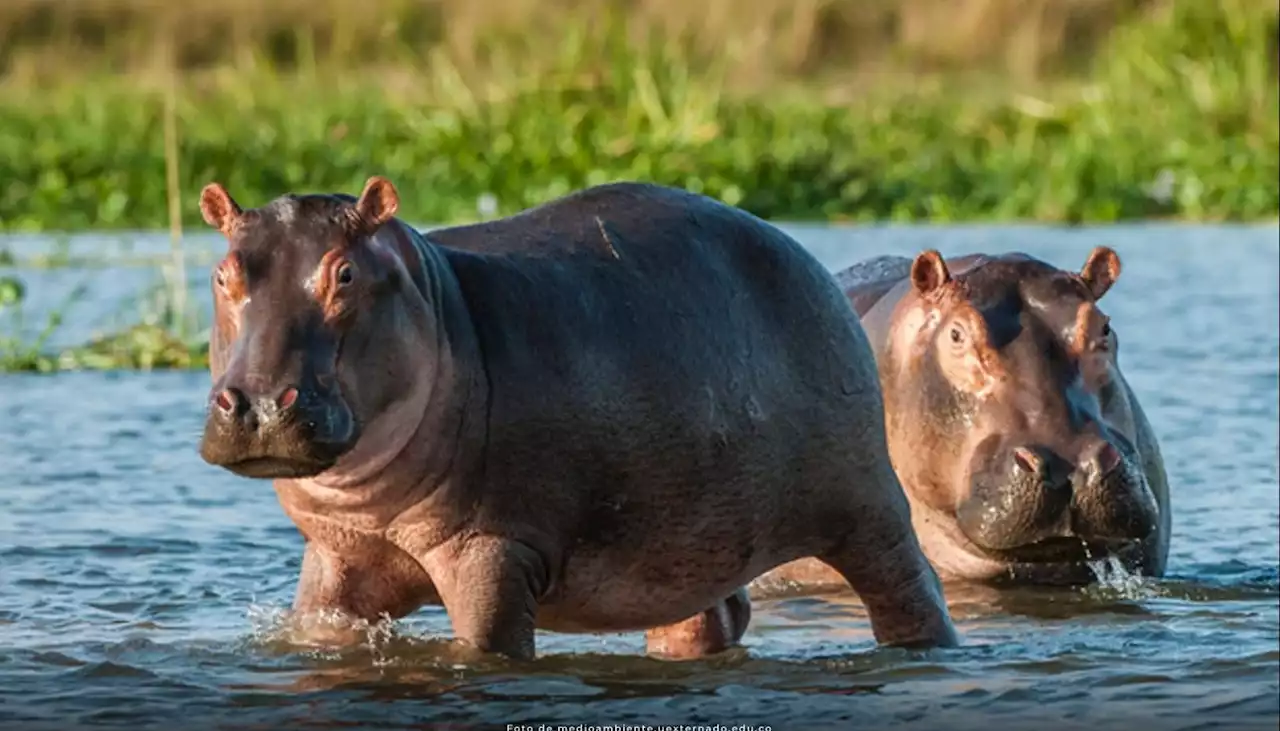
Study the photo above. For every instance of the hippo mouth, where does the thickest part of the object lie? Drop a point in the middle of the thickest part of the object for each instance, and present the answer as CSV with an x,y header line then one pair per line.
x,y
277,456
277,467
1063,550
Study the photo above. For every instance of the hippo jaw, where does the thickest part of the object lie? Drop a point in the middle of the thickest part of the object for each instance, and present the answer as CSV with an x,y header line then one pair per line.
x,y
1067,560
270,468
1063,550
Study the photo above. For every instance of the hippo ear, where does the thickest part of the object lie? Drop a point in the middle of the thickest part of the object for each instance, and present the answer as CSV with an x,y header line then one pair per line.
x,y
220,210
1100,271
378,203
929,272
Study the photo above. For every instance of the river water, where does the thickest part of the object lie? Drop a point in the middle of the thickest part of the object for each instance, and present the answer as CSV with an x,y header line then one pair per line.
x,y
143,589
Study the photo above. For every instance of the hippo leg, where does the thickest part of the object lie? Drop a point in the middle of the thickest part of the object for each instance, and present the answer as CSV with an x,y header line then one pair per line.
x,y
714,630
884,564
362,587
489,589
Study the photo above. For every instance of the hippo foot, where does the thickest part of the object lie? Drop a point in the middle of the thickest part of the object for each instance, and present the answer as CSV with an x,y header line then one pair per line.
x,y
460,652
715,630
321,629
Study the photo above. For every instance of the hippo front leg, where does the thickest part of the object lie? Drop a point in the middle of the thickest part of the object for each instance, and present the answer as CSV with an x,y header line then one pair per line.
x,y
355,586
714,630
490,587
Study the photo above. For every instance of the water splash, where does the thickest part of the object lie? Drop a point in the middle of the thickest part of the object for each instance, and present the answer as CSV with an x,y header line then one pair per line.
x,y
324,634
1116,581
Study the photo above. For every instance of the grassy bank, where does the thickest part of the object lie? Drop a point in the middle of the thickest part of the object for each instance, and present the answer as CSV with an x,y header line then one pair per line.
x,y
1174,114
760,40
1177,118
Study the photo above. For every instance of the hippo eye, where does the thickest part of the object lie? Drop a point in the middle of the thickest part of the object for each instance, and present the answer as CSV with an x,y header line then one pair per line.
x,y
1106,330
345,275
957,335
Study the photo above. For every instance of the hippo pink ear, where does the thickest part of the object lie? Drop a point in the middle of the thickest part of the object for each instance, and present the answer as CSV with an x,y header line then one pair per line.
x,y
1100,271
378,202
220,210
929,272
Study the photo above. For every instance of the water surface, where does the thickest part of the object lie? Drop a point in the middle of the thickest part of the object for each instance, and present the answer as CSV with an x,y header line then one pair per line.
x,y
140,588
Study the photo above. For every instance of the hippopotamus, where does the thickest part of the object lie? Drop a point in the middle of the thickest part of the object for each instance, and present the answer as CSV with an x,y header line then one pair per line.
x,y
606,413
1023,450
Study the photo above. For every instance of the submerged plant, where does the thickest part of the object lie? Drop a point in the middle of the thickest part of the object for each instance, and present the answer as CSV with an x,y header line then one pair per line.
x,y
156,339
17,352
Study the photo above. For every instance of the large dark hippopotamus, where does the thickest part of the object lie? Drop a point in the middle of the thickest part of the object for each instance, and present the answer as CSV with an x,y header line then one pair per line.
x,y
606,413
1023,451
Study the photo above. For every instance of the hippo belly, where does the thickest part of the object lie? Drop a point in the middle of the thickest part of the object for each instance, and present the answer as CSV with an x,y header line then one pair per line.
x,y
597,597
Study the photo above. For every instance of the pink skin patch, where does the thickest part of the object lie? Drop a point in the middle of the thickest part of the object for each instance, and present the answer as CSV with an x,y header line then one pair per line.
x,y
1108,458
288,398
226,401
1027,460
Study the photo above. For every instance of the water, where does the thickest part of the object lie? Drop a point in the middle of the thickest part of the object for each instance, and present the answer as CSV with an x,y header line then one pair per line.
x,y
143,589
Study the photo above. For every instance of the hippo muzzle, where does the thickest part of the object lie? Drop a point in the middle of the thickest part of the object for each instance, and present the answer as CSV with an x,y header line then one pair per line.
x,y
289,434
1028,504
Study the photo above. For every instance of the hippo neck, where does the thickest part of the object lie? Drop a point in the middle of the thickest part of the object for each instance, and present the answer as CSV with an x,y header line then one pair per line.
x,y
408,453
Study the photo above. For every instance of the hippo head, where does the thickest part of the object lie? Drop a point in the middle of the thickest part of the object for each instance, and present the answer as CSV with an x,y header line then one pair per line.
x,y
308,342
1010,420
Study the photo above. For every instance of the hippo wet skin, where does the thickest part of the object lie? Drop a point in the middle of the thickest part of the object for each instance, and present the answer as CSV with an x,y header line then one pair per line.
x,y
607,413
1023,450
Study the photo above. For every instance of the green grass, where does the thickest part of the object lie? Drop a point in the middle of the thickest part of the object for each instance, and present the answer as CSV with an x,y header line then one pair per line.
x,y
1179,118
762,41
1186,99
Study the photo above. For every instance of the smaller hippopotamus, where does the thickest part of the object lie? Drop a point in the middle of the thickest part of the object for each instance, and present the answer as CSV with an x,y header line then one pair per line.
x,y
598,415
1024,452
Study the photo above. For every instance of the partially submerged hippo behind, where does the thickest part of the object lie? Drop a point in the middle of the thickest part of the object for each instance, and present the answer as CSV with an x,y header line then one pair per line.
x,y
1022,449
607,413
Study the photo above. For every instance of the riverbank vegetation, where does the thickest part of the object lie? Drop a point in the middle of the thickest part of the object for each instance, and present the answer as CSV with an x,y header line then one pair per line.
x,y
863,110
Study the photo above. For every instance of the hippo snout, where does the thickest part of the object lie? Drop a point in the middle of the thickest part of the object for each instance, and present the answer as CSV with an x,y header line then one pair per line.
x,y
1029,495
285,432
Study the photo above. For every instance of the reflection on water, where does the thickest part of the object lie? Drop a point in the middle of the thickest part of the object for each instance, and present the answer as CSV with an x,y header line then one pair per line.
x,y
141,589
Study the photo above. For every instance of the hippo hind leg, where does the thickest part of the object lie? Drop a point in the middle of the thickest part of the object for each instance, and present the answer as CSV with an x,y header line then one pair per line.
x,y
880,557
714,630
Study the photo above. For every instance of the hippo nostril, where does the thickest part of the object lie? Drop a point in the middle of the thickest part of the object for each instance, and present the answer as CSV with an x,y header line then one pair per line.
x,y
1028,461
1106,459
287,399
230,401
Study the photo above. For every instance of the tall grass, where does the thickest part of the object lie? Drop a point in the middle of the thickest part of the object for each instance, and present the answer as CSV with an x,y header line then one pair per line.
x,y
1179,118
759,38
